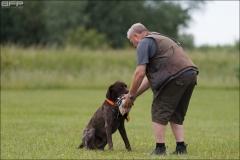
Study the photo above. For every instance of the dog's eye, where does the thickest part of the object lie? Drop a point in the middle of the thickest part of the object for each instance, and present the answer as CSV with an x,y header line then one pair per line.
x,y
124,86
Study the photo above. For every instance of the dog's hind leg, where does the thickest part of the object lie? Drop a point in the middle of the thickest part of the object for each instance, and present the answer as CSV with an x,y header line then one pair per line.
x,y
89,139
83,140
100,143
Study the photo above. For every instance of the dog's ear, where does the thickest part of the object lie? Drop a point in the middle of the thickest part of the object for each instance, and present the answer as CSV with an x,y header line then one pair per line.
x,y
109,92
112,93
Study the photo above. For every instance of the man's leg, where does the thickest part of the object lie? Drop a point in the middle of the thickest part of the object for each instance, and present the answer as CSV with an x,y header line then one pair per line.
x,y
171,105
162,109
176,120
159,132
177,131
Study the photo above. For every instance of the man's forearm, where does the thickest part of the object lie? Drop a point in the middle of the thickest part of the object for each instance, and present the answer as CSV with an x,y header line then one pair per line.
x,y
143,87
136,82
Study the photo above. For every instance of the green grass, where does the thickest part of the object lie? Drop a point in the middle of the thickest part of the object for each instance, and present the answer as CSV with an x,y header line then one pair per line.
x,y
48,124
57,68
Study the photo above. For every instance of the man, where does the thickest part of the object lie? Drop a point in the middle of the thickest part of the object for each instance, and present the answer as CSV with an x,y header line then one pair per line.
x,y
172,77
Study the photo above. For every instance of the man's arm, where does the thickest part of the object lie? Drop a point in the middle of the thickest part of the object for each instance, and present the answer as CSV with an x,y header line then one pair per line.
x,y
137,79
144,86
138,86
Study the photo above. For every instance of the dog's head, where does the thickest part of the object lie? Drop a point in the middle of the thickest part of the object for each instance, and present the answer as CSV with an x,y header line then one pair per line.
x,y
116,90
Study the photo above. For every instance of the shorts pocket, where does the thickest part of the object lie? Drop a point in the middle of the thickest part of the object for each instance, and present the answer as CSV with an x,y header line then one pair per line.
x,y
182,82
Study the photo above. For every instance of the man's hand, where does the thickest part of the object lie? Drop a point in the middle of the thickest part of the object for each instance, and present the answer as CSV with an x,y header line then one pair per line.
x,y
128,101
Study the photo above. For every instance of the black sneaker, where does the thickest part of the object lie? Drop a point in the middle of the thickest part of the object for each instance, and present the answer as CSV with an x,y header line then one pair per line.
x,y
180,150
159,151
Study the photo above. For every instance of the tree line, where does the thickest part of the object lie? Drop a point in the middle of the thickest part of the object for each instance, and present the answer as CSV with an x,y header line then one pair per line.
x,y
93,23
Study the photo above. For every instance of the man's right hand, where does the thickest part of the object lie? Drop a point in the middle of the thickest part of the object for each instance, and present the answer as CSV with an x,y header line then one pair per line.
x,y
128,101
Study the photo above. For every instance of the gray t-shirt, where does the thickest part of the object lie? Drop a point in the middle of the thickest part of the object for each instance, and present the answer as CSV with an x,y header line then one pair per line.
x,y
146,49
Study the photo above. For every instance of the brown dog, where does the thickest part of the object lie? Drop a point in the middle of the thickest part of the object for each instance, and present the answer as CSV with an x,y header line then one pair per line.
x,y
106,121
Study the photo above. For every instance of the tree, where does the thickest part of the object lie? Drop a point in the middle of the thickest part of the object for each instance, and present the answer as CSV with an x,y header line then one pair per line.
x,y
40,22
62,16
186,41
48,22
114,18
24,26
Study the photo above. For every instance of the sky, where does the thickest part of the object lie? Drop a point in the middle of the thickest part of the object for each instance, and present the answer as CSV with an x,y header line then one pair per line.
x,y
216,24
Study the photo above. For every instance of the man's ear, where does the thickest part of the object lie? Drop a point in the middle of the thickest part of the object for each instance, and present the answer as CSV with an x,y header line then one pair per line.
x,y
135,35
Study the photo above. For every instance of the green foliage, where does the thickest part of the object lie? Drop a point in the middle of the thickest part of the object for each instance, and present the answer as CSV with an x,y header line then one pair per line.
x,y
220,48
17,26
237,46
82,68
166,17
114,18
48,124
86,38
47,22
64,68
62,16
187,41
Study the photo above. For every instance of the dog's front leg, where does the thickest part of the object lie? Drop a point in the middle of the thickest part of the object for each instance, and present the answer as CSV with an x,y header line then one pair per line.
x,y
108,128
123,134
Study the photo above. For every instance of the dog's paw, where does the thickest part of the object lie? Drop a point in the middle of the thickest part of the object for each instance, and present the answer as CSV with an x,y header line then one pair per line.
x,y
80,146
129,149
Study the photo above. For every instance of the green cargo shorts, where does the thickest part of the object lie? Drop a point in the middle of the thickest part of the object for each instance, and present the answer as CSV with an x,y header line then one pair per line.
x,y
172,103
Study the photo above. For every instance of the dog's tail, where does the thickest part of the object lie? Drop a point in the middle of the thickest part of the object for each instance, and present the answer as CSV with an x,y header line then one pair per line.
x,y
80,146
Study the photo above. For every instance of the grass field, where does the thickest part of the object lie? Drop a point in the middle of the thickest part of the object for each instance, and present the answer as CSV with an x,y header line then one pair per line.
x,y
33,68
48,124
